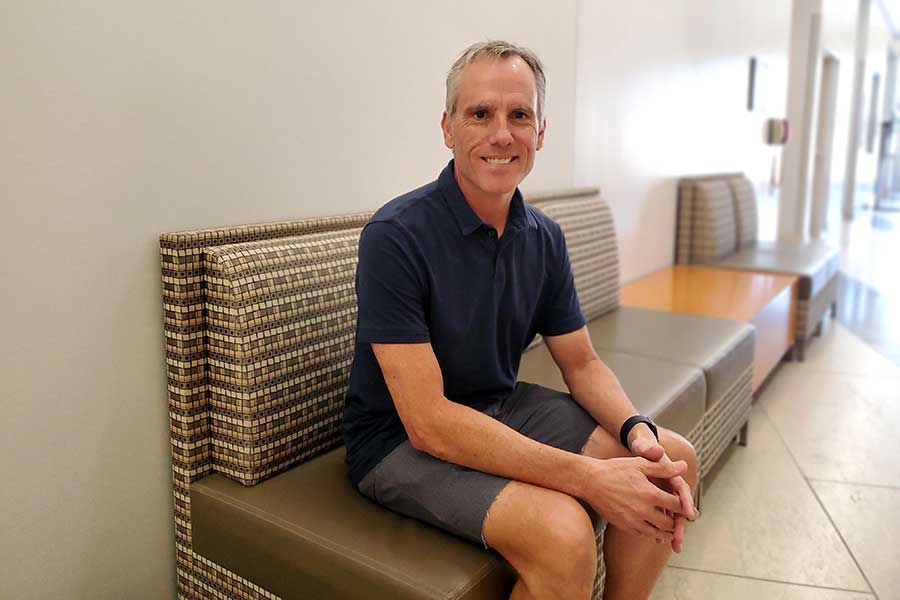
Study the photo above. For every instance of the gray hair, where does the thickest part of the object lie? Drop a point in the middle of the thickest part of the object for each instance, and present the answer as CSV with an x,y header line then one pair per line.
x,y
495,49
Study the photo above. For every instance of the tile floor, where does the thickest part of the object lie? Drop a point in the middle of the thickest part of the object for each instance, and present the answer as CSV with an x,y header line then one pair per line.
x,y
810,509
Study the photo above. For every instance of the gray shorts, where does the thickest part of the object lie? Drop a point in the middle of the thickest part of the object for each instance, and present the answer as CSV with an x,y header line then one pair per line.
x,y
457,499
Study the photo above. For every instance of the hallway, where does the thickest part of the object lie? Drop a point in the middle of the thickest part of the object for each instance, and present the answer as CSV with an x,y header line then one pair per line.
x,y
810,509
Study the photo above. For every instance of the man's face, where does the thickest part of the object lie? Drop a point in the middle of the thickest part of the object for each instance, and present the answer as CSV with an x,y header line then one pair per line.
x,y
494,130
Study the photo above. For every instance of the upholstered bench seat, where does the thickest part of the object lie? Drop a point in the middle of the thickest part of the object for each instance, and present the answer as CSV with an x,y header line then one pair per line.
x,y
307,534
722,349
673,395
815,263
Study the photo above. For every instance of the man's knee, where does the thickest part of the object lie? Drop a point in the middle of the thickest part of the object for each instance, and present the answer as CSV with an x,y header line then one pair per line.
x,y
678,448
547,536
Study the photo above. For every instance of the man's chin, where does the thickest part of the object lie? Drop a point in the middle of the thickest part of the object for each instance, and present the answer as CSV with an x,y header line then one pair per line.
x,y
500,185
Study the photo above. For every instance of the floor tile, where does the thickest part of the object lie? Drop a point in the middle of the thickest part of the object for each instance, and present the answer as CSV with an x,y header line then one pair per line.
x,y
840,351
871,315
869,520
837,427
760,519
680,584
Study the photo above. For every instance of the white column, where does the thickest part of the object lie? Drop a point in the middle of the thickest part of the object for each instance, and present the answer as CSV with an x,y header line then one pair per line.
x,y
803,73
859,73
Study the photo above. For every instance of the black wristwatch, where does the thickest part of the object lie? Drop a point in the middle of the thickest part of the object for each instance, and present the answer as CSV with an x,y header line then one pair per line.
x,y
629,424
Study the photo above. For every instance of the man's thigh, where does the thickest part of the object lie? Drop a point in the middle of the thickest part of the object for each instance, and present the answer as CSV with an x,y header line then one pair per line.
x,y
457,499
445,495
548,416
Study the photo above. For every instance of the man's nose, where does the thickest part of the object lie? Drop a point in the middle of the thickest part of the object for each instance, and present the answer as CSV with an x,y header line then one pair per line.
x,y
501,136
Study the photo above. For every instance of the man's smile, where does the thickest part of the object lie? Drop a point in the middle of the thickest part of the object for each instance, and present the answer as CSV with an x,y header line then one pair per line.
x,y
498,160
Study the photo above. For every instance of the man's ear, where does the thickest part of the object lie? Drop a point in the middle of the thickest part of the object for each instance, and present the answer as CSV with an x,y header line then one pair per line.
x,y
540,140
445,127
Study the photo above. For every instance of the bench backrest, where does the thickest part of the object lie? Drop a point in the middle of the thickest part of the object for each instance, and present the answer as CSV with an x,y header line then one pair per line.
x,y
717,215
586,221
252,382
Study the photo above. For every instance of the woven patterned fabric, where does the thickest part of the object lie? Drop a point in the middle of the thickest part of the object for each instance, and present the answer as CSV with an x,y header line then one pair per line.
x,y
591,238
184,323
600,578
540,198
713,228
810,312
687,230
685,216
745,212
281,317
723,422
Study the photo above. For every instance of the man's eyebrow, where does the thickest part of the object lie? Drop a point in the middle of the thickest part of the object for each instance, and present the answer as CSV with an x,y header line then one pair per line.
x,y
479,106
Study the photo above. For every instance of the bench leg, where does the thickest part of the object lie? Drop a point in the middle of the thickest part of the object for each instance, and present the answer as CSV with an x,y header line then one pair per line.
x,y
797,350
819,329
742,435
834,309
698,496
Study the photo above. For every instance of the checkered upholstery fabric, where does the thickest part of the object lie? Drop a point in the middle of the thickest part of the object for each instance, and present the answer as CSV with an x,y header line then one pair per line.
x,y
712,231
745,212
591,238
281,317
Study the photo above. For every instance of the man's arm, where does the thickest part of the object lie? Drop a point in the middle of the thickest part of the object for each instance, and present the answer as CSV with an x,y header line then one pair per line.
x,y
618,488
598,391
592,383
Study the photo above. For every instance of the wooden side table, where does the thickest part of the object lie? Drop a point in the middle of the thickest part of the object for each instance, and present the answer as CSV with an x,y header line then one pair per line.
x,y
766,300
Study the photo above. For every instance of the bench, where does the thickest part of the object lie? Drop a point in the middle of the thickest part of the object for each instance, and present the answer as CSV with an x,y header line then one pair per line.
x,y
259,323
718,226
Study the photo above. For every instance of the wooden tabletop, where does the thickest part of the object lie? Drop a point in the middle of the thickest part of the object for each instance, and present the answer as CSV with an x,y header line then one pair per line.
x,y
710,291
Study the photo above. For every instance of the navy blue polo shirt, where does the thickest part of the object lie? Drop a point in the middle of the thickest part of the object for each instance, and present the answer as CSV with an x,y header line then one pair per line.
x,y
430,270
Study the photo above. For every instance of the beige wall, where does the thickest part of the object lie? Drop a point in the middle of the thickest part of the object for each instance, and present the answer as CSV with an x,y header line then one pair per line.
x,y
120,120
661,93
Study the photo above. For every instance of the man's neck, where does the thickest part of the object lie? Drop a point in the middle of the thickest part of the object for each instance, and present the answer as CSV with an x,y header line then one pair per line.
x,y
493,209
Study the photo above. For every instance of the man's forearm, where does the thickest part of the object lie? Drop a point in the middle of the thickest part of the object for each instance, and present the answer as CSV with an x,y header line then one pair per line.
x,y
470,438
596,388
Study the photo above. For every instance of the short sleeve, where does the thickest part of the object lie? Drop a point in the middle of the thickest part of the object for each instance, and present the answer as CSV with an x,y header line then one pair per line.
x,y
391,287
562,312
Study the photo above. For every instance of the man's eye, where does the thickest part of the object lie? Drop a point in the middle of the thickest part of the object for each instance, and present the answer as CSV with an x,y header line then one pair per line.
x,y
520,114
479,114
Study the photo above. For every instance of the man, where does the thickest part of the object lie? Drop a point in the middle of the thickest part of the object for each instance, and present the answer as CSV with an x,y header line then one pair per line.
x,y
454,281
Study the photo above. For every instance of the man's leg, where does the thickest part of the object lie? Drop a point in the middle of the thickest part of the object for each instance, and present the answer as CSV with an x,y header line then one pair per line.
x,y
548,538
633,563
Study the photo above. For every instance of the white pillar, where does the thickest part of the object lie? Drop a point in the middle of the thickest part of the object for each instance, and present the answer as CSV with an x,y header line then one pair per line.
x,y
859,73
803,73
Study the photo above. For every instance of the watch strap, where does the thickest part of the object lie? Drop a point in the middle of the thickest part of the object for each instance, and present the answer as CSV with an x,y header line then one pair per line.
x,y
629,424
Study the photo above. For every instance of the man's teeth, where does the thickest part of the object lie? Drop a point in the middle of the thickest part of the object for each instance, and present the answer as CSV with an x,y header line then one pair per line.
x,y
499,161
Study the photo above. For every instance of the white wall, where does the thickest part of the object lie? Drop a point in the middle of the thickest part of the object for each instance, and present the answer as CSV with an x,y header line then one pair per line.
x,y
662,90
121,120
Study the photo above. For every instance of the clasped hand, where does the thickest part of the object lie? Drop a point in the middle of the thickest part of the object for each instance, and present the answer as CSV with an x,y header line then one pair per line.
x,y
645,494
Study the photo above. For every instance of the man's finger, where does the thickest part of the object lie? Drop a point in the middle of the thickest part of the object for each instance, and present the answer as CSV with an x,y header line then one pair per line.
x,y
648,530
667,501
649,449
662,520
678,534
683,491
663,470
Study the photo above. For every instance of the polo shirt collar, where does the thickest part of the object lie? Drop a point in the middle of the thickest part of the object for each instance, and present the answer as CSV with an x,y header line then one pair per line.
x,y
519,217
